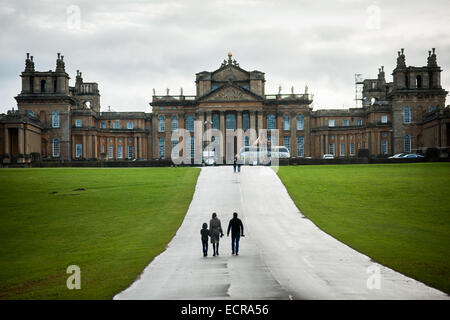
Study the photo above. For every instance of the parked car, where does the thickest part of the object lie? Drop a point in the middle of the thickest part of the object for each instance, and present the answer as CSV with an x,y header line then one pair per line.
x,y
327,156
413,156
398,156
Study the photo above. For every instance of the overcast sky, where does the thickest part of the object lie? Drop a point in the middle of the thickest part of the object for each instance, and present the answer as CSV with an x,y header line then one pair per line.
x,y
130,47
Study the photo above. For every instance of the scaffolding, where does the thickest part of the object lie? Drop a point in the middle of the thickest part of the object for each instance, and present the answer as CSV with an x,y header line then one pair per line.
x,y
359,83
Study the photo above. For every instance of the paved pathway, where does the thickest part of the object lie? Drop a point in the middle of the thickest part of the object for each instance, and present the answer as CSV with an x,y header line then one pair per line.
x,y
283,256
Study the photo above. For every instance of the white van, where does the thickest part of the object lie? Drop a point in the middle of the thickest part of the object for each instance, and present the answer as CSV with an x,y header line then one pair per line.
x,y
262,155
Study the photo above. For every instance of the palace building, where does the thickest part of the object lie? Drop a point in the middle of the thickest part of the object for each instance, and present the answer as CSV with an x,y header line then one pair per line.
x,y
56,121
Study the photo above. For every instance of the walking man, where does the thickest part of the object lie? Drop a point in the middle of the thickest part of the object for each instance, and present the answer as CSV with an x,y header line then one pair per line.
x,y
237,230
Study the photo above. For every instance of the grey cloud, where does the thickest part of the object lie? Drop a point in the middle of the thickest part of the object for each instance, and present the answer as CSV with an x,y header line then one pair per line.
x,y
130,47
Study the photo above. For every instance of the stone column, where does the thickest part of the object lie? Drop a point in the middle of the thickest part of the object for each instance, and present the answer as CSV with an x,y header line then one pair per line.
x,y
379,142
260,122
95,146
84,147
239,132
198,137
115,153
253,134
307,140
20,141
293,139
327,150
6,141
136,149
223,132
208,126
125,147
140,147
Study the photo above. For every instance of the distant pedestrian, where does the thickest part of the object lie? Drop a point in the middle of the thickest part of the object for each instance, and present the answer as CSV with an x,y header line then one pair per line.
x,y
239,163
237,230
205,234
234,163
215,229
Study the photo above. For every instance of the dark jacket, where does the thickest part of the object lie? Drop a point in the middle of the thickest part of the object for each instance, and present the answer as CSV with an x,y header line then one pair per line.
x,y
205,234
236,227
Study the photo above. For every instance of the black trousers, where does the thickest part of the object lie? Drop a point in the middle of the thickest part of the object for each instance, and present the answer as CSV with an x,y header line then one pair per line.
x,y
205,247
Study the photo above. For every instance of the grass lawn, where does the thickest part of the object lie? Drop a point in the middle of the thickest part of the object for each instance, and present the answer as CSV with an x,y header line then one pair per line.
x,y
399,215
111,229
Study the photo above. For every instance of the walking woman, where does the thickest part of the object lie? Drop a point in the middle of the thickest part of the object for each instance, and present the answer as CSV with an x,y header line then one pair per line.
x,y
215,229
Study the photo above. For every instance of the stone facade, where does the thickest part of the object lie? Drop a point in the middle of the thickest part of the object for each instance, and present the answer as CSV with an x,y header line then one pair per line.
x,y
230,110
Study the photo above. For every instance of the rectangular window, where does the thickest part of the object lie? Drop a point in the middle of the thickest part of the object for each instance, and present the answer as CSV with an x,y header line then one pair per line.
x,y
190,123
299,122
345,122
215,120
331,148
130,125
359,145
352,148
246,141
331,123
245,121
342,150
359,122
406,115
384,147
78,150
161,151
103,148
407,145
78,123
161,124
287,142
300,149
55,119
384,119
116,124
119,152
55,148
286,124
103,125
271,122
230,122
192,147
110,152
130,152
174,123
175,148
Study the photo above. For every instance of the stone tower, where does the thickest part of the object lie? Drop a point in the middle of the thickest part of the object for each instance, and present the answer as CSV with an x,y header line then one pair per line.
x,y
415,91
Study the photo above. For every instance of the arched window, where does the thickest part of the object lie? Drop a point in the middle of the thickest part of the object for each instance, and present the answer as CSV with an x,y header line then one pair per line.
x,y
286,125
174,123
407,145
55,119
271,123
43,86
299,122
161,124
419,81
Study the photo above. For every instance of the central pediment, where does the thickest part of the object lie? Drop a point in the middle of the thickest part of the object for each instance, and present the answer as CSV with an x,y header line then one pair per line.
x,y
230,92
230,73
